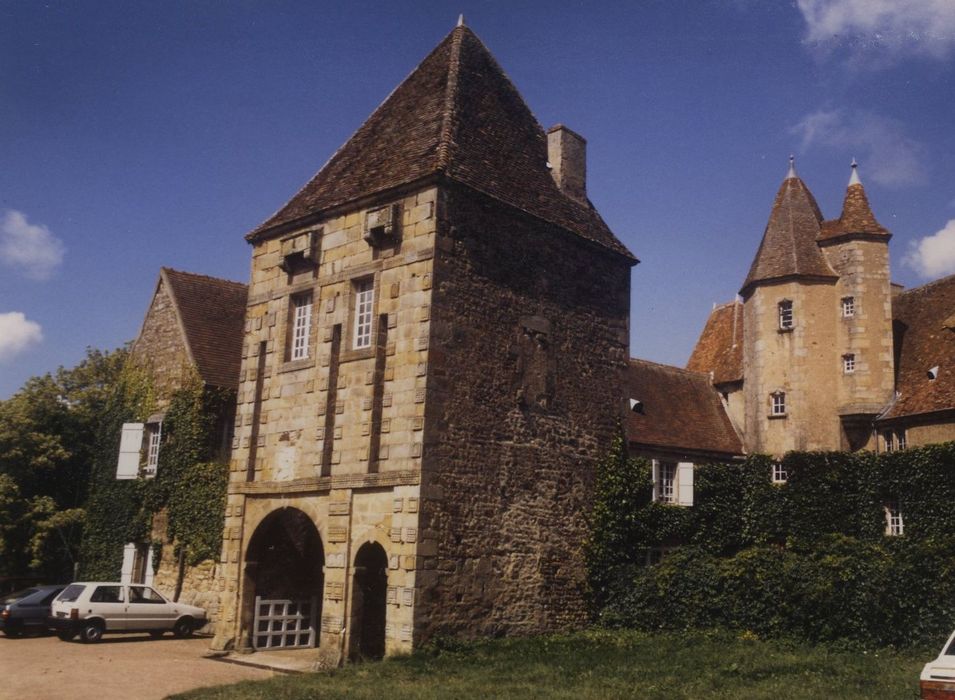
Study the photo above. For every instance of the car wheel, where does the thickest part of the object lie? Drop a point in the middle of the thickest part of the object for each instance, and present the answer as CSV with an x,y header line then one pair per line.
x,y
92,632
65,636
183,627
155,634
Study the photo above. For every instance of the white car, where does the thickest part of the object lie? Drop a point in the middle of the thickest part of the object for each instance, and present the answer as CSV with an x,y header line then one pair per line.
x,y
938,677
89,609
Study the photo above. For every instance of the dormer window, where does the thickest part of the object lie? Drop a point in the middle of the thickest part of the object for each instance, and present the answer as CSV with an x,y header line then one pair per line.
x,y
381,225
848,363
785,309
848,307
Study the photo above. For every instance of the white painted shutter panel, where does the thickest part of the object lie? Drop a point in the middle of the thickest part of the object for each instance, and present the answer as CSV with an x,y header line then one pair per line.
x,y
130,445
655,475
150,570
129,556
684,480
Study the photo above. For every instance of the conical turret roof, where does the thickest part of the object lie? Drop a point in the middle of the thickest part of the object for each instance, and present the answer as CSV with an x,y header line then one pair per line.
x,y
789,248
857,216
457,116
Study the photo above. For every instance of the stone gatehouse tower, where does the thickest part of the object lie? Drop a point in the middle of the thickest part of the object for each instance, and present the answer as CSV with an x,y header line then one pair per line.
x,y
436,334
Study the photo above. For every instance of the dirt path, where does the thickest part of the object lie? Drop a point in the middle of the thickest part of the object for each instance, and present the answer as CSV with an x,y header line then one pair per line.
x,y
121,667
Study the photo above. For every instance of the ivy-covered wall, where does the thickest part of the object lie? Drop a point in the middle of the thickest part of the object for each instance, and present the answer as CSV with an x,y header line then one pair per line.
x,y
189,487
808,558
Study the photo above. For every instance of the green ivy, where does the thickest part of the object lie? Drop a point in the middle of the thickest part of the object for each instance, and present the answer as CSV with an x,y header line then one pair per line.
x,y
190,484
808,558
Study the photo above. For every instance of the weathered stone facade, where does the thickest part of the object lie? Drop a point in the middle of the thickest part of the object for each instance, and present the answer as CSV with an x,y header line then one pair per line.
x,y
160,348
435,340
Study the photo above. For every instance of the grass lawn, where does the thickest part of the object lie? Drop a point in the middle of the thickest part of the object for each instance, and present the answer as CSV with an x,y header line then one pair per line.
x,y
608,664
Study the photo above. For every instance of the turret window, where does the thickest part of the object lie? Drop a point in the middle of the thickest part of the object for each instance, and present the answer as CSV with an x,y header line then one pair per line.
x,y
848,307
785,315
777,403
848,363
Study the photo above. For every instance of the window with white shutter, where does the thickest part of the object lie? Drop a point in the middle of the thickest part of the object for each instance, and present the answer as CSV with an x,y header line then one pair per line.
x,y
684,483
130,445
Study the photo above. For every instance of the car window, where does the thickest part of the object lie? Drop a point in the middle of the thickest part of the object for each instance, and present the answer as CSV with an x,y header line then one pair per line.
x,y
48,598
143,594
18,595
951,649
71,593
107,594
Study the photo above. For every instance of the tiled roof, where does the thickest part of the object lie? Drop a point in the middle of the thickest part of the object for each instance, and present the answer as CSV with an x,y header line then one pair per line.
x,y
857,217
681,410
789,247
924,339
212,312
456,115
720,348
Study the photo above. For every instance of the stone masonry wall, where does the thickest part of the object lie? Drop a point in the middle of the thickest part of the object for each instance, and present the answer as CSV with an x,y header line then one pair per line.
x,y
336,435
529,344
160,348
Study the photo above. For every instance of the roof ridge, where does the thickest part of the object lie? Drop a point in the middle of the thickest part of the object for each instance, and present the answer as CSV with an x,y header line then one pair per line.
x,y
450,100
922,287
202,276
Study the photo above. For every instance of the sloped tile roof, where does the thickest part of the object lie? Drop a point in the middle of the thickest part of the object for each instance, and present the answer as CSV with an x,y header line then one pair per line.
x,y
789,247
456,115
924,339
857,217
719,350
212,313
681,410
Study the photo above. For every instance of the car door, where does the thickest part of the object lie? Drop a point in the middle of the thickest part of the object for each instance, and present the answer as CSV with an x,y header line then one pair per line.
x,y
108,602
147,610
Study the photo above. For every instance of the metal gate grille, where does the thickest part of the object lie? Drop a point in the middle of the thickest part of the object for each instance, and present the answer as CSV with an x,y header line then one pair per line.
x,y
284,624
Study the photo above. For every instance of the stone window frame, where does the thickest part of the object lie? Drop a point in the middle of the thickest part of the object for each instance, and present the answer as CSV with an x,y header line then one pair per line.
x,y
894,523
849,363
785,315
777,404
779,475
848,307
349,352
363,312
300,326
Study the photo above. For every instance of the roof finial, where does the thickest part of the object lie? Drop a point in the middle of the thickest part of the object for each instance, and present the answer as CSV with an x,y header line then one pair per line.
x,y
461,20
792,167
854,178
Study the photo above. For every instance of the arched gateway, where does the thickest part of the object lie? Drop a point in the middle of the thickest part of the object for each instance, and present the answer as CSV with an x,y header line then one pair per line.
x,y
283,582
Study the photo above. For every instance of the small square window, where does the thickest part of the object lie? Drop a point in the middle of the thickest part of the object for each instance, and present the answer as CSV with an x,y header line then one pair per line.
x,y
848,363
848,307
894,526
778,403
785,315
364,310
780,476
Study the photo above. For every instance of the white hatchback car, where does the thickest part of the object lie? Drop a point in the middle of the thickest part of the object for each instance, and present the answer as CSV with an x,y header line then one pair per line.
x,y
89,609
938,677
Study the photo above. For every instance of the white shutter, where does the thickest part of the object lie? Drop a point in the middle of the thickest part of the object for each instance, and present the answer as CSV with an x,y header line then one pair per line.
x,y
655,475
684,481
150,570
129,556
130,444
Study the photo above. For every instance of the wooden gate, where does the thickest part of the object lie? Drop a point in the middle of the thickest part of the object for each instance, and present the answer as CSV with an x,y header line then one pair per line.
x,y
284,624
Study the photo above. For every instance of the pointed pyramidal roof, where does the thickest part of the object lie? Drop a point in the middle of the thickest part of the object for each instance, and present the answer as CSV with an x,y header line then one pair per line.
x,y
456,116
789,248
857,217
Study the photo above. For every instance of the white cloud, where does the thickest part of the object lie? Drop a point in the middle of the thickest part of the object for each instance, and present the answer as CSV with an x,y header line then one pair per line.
x,y
31,248
933,256
17,334
883,29
888,155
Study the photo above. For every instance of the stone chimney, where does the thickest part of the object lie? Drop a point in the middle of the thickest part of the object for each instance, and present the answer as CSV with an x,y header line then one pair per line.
x,y
567,154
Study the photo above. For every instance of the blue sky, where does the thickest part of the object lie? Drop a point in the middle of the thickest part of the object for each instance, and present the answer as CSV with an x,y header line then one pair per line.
x,y
135,135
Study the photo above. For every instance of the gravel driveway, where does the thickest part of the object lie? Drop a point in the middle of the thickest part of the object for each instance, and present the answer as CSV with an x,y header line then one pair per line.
x,y
121,667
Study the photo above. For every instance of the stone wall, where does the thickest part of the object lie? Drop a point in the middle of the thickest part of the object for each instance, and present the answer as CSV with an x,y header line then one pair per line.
x,y
160,348
529,344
